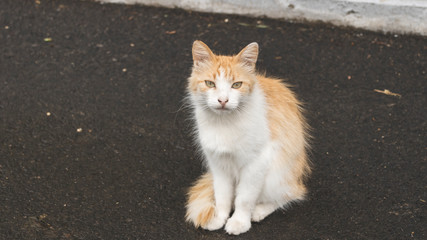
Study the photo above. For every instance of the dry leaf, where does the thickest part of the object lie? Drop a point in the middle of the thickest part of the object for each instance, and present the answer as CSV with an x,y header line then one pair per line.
x,y
243,24
262,26
388,92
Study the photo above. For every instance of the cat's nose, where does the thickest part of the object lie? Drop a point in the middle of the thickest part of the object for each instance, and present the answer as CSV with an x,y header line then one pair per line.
x,y
223,102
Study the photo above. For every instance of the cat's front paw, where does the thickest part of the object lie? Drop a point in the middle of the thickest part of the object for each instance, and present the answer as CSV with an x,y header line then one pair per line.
x,y
236,226
215,223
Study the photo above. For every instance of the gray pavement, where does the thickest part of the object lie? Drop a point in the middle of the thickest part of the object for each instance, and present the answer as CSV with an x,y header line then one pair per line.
x,y
95,138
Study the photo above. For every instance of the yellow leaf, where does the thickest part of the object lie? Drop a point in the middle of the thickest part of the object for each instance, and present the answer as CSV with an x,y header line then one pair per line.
x,y
388,92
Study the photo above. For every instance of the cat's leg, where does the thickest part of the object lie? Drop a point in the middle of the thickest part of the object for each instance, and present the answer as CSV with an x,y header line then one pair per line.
x,y
278,191
262,210
223,192
247,192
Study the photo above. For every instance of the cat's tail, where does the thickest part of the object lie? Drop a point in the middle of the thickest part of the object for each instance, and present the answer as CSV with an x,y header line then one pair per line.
x,y
201,201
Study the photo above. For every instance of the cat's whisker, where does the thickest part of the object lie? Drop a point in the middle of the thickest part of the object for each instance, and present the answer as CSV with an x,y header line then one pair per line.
x,y
183,105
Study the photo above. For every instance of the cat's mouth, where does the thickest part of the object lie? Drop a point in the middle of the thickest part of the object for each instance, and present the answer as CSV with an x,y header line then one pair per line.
x,y
222,110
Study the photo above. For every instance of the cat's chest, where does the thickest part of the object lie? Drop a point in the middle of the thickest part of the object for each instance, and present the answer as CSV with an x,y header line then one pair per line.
x,y
232,138
221,139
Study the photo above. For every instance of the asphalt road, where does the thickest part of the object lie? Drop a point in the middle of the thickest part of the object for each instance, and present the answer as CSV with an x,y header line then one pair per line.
x,y
95,138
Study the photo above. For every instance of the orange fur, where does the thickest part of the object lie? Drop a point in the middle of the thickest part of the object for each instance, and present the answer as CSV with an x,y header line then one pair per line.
x,y
287,122
231,67
200,202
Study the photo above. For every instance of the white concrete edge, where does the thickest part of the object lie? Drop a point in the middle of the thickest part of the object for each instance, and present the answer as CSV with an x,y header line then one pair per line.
x,y
393,16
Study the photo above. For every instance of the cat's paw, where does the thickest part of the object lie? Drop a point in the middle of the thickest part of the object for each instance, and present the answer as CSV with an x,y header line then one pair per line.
x,y
261,211
215,223
236,226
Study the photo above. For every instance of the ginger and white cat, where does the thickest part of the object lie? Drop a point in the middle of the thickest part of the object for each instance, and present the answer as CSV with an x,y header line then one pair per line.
x,y
253,137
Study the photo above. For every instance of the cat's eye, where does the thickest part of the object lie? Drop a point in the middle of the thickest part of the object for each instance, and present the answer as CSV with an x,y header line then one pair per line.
x,y
210,84
236,85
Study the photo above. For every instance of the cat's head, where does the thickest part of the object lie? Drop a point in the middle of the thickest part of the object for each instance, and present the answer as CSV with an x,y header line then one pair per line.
x,y
222,84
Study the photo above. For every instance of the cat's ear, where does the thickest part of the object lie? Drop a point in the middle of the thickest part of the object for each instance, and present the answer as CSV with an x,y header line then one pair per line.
x,y
249,55
201,53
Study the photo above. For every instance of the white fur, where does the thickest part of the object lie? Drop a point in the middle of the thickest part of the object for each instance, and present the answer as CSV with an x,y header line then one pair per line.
x,y
238,151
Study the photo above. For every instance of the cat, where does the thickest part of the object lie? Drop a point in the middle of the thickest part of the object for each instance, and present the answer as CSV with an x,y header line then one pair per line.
x,y
253,137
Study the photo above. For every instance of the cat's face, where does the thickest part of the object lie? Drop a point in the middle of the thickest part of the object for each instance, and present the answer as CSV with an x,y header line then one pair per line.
x,y
221,88
222,84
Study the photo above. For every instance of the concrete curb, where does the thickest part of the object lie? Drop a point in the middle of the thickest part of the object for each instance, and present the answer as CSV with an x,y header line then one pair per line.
x,y
393,16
